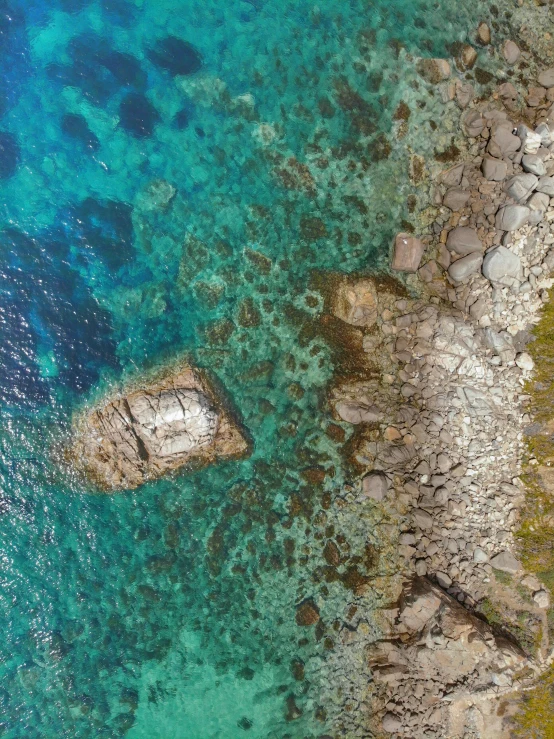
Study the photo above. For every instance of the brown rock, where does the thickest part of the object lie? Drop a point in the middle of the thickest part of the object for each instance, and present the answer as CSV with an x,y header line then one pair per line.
x,y
483,34
468,57
307,613
408,251
356,303
434,70
155,427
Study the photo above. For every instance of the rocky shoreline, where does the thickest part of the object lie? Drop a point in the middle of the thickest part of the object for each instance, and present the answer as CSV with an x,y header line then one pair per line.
x,y
445,414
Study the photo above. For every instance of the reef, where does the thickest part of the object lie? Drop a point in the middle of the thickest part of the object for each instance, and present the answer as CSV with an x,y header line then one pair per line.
x,y
153,428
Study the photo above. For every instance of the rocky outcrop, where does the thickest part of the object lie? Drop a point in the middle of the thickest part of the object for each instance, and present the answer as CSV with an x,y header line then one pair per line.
x,y
152,429
436,654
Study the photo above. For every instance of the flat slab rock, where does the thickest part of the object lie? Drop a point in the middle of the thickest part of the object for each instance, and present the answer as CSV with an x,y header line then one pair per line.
x,y
155,428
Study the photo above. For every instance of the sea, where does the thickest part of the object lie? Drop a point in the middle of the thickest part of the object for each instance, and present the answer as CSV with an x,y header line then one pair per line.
x,y
185,179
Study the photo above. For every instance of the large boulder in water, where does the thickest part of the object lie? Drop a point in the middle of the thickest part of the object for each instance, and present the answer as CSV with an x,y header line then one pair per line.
x,y
154,428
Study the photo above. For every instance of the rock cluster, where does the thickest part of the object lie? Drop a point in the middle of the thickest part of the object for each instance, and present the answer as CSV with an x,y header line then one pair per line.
x,y
156,427
449,409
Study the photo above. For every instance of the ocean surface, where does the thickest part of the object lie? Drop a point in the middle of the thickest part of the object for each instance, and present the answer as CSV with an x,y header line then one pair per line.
x,y
177,177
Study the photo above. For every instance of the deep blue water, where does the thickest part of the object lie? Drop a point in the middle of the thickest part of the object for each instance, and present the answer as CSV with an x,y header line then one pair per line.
x,y
173,173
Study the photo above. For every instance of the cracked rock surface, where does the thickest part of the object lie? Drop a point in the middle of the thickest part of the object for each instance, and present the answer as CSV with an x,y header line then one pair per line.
x,y
153,429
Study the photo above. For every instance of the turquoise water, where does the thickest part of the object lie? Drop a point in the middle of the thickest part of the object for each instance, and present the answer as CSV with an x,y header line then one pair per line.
x,y
174,174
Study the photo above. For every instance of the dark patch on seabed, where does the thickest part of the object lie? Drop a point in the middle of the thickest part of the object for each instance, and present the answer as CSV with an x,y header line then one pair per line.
x,y
172,173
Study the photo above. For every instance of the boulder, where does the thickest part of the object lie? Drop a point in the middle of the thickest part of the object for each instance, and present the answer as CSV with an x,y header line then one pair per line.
x,y
530,141
533,164
503,143
357,411
434,70
375,486
511,52
546,78
463,268
483,34
307,613
473,123
452,177
542,599
391,723
494,169
464,240
456,198
543,130
408,251
546,185
521,186
464,93
355,302
154,428
500,263
525,361
512,217
506,562
468,57
538,204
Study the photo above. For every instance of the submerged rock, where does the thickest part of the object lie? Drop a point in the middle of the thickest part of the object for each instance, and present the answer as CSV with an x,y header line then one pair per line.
x,y
155,428
356,303
176,56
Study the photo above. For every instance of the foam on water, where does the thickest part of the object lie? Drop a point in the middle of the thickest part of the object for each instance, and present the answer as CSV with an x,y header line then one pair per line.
x,y
173,175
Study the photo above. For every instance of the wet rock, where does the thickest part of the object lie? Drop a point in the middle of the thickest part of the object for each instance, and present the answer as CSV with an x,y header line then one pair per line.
x,y
356,302
521,186
137,115
506,562
533,164
176,56
494,169
331,554
483,34
468,56
511,52
546,78
464,240
453,176
464,93
154,429
463,268
408,251
156,195
500,263
375,486
434,70
456,198
512,217
307,613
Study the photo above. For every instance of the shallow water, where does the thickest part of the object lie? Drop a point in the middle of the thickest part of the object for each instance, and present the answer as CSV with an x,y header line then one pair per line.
x,y
160,199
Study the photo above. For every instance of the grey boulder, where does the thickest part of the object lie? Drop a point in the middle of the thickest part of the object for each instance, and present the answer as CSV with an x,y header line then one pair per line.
x,y
511,52
463,268
521,186
546,185
473,123
453,176
538,203
375,486
533,164
464,240
546,78
500,263
512,217
456,198
506,562
494,169
503,142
